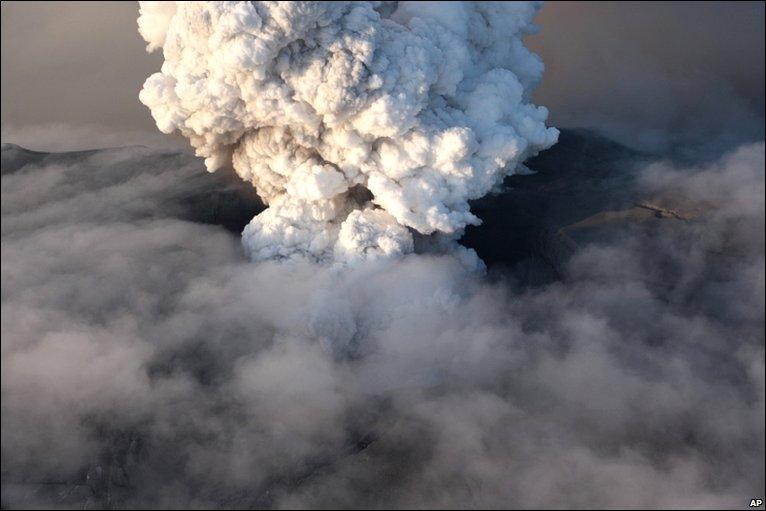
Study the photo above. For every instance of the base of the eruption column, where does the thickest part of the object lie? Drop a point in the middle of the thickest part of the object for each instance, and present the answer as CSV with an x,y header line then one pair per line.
x,y
371,234
313,231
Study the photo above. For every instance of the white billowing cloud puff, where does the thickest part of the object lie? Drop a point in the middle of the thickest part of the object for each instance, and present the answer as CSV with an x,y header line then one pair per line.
x,y
357,122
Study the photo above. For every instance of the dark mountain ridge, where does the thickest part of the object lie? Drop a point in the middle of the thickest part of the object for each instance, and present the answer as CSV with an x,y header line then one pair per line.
x,y
582,175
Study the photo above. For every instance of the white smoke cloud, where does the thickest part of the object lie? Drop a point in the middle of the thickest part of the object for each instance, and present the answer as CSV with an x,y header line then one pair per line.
x,y
357,122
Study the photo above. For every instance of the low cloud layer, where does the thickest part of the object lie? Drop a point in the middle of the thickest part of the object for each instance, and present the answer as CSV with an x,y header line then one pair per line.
x,y
145,362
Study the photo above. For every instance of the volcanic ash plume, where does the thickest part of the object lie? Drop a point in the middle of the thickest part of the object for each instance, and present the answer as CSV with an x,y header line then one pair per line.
x,y
357,122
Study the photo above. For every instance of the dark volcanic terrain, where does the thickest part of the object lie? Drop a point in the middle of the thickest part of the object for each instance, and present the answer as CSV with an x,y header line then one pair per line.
x,y
524,227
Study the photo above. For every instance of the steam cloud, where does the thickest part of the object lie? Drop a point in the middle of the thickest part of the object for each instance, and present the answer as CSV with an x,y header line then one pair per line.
x,y
355,121
147,363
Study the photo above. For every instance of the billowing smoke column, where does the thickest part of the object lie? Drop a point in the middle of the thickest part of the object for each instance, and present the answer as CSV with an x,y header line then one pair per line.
x,y
357,122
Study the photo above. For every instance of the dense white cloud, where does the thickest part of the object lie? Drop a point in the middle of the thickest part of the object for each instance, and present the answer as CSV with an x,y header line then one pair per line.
x,y
425,105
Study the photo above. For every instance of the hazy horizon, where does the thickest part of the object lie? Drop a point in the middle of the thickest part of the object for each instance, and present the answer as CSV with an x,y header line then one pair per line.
x,y
642,73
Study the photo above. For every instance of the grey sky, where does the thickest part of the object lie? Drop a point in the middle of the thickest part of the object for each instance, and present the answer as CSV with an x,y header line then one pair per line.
x,y
74,63
71,71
